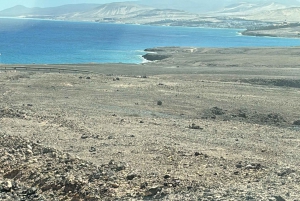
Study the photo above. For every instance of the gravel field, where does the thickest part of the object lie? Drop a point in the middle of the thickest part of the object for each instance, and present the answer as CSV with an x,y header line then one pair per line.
x,y
201,124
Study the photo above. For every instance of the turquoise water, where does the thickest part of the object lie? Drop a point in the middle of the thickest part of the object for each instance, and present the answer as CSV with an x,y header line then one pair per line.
x,y
41,41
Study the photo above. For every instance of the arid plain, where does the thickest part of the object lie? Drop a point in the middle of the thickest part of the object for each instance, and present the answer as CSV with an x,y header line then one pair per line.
x,y
200,124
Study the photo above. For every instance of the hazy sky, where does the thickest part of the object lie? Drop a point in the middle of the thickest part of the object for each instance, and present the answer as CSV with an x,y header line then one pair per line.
x,y
46,3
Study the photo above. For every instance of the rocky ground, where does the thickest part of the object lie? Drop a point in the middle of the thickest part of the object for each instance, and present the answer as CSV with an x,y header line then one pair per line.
x,y
201,124
280,31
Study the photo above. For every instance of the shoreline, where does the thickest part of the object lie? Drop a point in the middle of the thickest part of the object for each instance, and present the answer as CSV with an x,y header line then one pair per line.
x,y
189,60
256,33
284,31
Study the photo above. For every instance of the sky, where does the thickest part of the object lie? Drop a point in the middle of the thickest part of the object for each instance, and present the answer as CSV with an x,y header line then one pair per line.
x,y
48,3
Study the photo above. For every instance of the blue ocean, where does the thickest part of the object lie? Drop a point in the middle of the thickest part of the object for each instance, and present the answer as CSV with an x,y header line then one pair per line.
x,y
27,41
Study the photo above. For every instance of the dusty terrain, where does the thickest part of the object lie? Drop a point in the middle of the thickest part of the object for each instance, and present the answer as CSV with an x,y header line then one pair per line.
x,y
285,32
202,124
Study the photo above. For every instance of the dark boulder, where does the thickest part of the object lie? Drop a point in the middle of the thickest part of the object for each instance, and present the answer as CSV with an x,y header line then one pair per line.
x,y
155,57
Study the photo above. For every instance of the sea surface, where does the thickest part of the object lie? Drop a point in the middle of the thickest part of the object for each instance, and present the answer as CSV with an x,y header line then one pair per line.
x,y
27,41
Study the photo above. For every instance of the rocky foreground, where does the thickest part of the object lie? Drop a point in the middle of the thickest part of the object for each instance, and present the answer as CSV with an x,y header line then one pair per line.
x,y
30,171
198,124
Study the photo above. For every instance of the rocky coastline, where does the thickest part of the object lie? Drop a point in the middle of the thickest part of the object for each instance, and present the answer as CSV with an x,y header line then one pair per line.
x,y
285,31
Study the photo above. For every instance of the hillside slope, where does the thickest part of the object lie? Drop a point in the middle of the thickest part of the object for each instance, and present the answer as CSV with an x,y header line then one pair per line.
x,y
121,12
111,10
281,15
22,11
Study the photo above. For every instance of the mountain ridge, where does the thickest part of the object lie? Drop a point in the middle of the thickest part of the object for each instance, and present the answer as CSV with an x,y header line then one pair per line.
x,y
237,15
20,10
203,6
125,12
114,10
281,15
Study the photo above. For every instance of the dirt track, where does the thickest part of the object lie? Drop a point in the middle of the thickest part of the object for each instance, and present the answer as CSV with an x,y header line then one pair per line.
x,y
227,128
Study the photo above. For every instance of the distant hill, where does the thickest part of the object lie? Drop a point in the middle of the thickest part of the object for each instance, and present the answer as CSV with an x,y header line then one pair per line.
x,y
17,11
244,8
220,14
22,11
192,6
189,6
227,6
267,11
124,12
279,15
112,10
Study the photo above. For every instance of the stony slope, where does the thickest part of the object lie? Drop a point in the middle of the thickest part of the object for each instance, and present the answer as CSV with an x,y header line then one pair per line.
x,y
215,124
